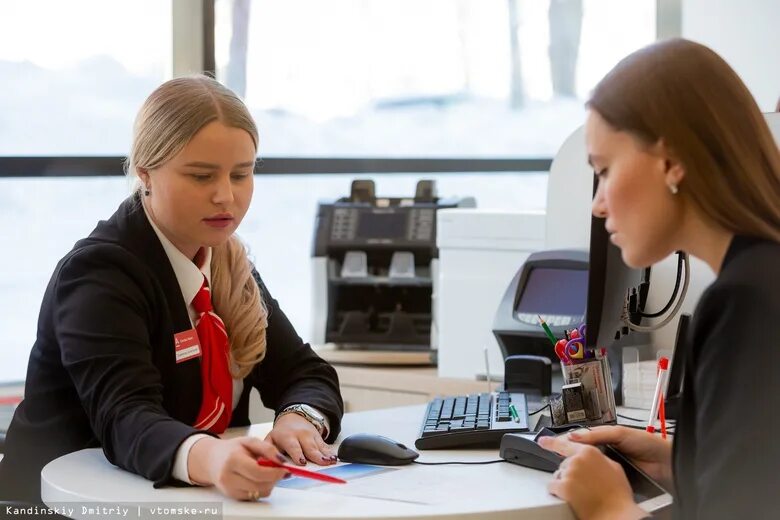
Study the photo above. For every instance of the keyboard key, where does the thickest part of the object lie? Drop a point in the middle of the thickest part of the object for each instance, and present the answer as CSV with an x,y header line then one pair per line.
x,y
446,410
460,407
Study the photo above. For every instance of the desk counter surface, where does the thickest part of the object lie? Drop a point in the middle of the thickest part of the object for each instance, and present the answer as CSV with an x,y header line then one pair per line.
x,y
492,491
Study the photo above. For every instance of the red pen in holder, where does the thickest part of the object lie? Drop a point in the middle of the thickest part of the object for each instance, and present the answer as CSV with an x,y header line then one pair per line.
x,y
658,397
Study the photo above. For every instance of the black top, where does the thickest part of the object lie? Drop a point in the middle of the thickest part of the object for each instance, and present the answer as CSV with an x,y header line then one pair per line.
x,y
103,371
726,446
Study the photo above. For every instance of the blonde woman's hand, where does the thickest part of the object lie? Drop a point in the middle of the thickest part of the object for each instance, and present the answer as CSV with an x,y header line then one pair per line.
x,y
231,466
650,453
611,498
300,440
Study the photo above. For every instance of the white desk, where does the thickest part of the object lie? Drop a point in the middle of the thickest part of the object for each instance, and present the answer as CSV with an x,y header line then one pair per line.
x,y
492,491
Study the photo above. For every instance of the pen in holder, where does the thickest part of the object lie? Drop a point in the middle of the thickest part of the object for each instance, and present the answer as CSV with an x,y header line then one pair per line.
x,y
587,384
586,395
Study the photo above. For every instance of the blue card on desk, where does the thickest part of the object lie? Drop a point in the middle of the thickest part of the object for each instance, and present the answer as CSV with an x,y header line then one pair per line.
x,y
345,471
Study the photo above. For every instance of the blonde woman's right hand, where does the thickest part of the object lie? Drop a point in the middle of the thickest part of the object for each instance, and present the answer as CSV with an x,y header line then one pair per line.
x,y
648,452
231,466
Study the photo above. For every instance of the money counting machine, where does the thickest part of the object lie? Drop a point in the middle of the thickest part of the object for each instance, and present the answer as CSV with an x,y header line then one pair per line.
x,y
375,261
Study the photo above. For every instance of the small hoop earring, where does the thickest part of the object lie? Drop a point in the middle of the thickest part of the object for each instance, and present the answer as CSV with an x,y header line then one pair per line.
x,y
673,188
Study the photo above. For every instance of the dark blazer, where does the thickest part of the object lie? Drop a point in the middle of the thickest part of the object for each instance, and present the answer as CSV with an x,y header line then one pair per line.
x,y
103,373
726,448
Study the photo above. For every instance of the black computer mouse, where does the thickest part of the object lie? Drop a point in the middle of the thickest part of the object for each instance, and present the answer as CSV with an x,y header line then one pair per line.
x,y
523,451
367,448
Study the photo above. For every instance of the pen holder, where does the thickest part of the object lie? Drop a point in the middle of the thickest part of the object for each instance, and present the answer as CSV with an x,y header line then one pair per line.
x,y
586,395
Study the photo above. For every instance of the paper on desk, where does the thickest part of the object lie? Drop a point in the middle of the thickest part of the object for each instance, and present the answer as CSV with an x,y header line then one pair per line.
x,y
348,472
409,484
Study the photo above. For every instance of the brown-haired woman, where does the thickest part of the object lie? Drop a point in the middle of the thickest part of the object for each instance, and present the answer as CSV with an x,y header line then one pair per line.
x,y
685,161
154,329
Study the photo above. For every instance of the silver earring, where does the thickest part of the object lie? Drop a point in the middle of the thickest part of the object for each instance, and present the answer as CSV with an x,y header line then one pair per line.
x,y
147,192
673,188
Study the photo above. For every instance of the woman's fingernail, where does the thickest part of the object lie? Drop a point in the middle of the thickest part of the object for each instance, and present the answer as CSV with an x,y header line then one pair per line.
x,y
575,436
280,458
334,458
302,460
543,441
286,476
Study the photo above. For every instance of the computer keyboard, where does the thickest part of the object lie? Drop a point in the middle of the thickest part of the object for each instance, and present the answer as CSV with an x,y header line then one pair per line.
x,y
472,421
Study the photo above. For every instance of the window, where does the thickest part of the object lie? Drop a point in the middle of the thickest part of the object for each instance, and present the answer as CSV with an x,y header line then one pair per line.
x,y
74,75
41,220
83,65
380,79
408,79
438,78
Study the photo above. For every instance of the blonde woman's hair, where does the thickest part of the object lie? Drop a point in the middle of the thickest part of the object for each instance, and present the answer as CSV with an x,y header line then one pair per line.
x,y
684,94
167,121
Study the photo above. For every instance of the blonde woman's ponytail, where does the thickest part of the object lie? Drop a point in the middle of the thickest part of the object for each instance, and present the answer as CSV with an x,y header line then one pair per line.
x,y
238,301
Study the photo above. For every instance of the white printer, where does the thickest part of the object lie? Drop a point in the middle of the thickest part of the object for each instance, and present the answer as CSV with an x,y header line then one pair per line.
x,y
479,253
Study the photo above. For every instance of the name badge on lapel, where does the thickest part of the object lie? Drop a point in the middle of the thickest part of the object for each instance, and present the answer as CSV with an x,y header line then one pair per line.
x,y
187,345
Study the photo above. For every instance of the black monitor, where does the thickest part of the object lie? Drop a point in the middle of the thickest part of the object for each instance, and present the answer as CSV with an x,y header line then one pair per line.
x,y
610,281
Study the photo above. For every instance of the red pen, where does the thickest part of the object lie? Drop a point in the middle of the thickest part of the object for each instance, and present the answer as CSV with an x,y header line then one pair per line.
x,y
662,418
660,392
298,472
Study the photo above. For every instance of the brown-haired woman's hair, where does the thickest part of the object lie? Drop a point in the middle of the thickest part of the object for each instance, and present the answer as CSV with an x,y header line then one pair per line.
x,y
684,95
167,121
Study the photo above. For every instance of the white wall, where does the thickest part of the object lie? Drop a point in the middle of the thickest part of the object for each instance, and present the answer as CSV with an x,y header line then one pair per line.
x,y
746,34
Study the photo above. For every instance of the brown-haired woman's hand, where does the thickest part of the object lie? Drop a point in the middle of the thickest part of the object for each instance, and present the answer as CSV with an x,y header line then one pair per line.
x,y
612,498
650,453
231,466
300,440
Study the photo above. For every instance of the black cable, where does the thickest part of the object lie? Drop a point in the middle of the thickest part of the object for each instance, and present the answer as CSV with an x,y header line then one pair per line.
x,y
540,409
680,264
644,288
456,462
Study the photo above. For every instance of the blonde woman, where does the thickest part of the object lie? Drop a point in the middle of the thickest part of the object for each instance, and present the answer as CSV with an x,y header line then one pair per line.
x,y
685,161
155,327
